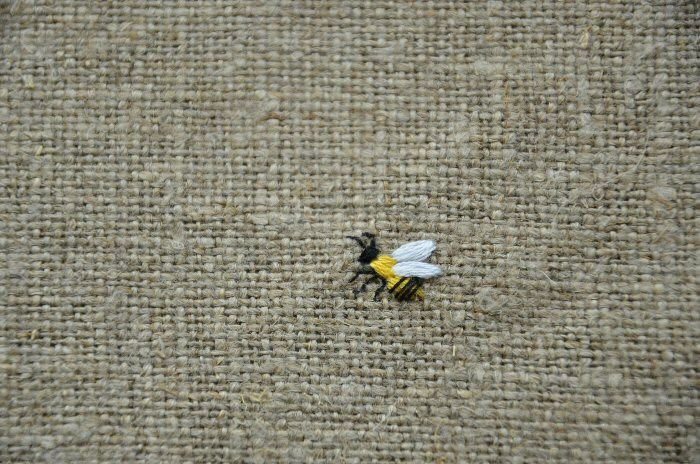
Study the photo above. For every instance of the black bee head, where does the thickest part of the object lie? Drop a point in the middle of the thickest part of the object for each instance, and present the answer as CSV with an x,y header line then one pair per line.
x,y
369,249
368,255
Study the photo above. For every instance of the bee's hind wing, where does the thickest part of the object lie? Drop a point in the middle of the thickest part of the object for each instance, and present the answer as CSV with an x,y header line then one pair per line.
x,y
414,251
416,269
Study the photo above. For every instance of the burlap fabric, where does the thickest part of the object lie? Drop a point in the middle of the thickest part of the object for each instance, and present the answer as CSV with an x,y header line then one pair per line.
x,y
178,178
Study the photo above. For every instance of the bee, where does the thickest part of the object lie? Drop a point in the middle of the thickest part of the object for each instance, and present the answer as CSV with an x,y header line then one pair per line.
x,y
402,272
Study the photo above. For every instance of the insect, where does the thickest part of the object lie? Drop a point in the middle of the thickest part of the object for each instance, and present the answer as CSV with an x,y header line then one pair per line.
x,y
402,272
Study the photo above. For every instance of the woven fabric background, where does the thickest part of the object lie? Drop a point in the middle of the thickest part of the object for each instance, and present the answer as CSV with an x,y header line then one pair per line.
x,y
177,179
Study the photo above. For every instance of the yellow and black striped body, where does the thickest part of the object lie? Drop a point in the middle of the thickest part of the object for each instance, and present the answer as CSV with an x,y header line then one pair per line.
x,y
403,288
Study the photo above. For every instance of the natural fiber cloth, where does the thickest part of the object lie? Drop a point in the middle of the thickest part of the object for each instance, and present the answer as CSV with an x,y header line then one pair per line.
x,y
178,178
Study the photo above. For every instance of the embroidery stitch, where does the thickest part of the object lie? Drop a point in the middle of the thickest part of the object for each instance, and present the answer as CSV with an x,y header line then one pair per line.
x,y
403,272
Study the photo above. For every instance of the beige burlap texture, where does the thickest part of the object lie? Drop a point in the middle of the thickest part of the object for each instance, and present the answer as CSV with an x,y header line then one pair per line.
x,y
178,178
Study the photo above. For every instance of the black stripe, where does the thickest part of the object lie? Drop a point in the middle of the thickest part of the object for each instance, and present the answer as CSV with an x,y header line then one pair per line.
x,y
406,290
397,284
409,290
415,289
399,291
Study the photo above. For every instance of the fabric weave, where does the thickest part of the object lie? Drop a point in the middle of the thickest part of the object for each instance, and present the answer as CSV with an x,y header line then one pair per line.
x,y
177,180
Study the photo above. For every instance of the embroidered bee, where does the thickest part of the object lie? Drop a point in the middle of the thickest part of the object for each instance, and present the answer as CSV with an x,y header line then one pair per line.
x,y
402,272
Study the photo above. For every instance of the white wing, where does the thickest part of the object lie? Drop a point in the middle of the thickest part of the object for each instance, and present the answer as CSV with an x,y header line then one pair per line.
x,y
416,269
414,251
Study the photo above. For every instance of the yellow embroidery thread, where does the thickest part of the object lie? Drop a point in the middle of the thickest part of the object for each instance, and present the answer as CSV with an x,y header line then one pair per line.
x,y
401,273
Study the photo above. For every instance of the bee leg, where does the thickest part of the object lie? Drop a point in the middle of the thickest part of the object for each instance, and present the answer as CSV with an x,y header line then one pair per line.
x,y
364,285
379,290
359,273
